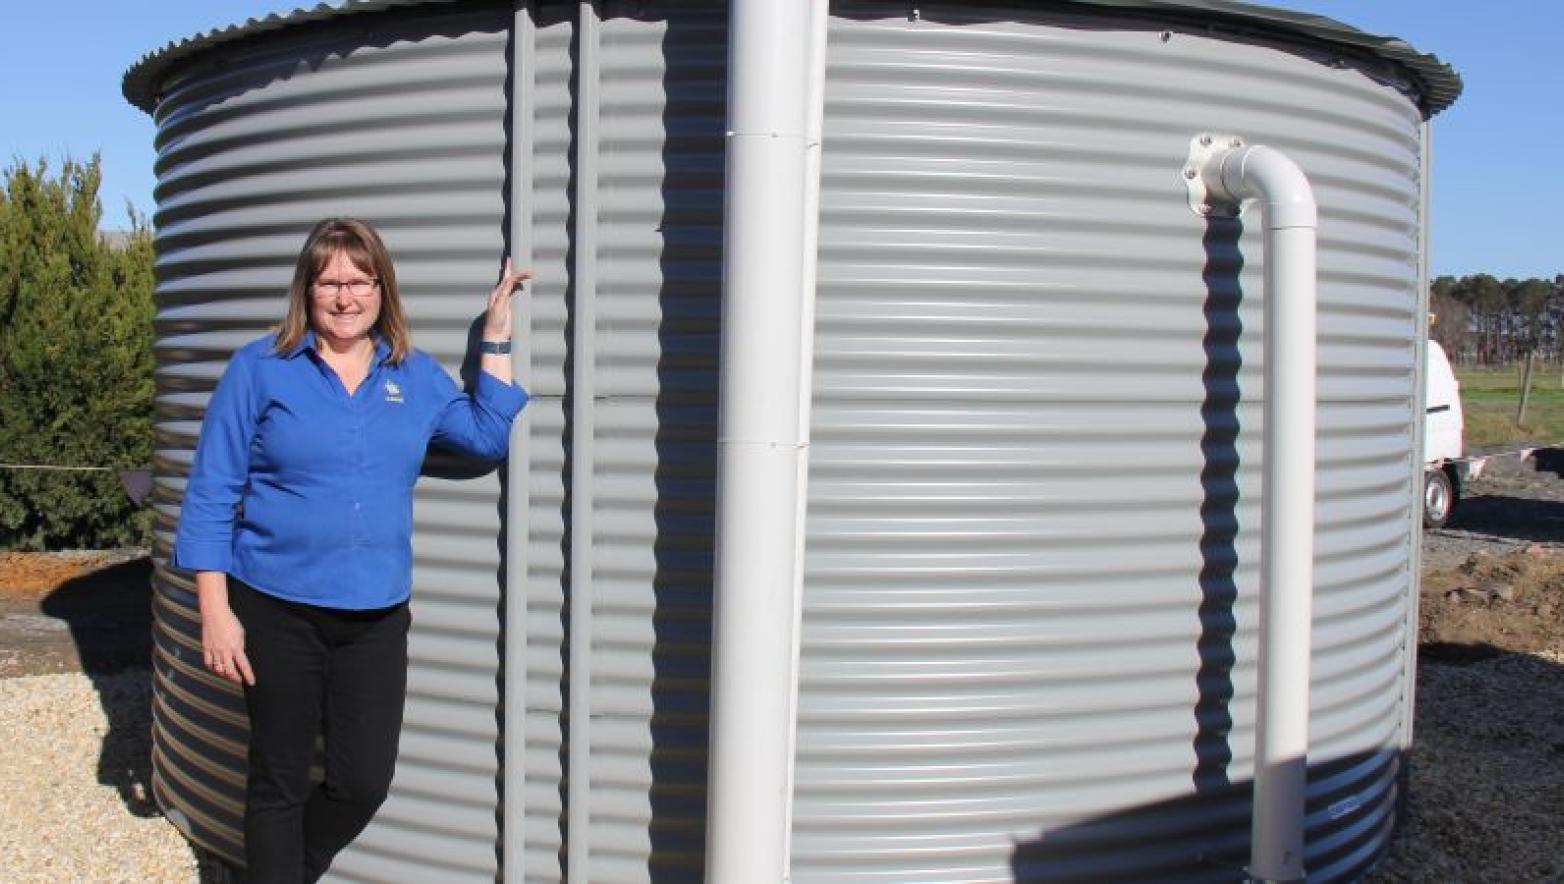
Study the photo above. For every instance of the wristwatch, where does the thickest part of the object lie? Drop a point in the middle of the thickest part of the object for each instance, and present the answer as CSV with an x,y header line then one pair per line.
x,y
499,348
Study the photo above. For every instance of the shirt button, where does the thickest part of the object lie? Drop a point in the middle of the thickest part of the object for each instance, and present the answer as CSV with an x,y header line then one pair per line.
x,y
355,507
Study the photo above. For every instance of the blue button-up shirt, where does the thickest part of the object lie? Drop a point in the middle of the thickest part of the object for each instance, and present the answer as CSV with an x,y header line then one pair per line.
x,y
306,492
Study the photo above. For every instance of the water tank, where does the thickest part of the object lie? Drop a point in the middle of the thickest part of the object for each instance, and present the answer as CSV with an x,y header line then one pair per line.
x,y
1034,492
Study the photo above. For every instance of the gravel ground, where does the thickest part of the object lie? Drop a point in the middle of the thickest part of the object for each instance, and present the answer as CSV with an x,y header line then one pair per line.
x,y
1487,772
1486,782
77,800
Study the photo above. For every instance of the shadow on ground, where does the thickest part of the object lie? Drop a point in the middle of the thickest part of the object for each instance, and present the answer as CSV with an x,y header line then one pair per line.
x,y
1474,800
108,613
1515,500
1510,518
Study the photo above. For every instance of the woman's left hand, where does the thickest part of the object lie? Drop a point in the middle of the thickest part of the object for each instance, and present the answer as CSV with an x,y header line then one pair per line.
x,y
496,322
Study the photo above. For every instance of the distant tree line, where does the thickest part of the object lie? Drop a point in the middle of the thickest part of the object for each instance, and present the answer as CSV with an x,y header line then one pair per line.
x,y
76,362
1483,320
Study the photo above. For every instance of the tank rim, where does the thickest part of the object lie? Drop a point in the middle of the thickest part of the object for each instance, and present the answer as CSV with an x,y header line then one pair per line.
x,y
1437,84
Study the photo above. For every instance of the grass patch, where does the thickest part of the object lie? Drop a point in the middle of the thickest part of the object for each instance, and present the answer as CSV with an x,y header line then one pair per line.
x,y
1490,395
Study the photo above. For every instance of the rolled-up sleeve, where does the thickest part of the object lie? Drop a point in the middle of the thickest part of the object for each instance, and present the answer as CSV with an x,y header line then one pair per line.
x,y
204,540
478,423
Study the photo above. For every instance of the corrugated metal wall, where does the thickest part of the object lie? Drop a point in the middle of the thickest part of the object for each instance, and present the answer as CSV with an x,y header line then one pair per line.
x,y
641,205
659,261
1029,629
403,125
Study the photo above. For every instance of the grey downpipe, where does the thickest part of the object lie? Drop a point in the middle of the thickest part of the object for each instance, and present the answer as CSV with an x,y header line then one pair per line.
x,y
583,423
813,131
513,728
1234,175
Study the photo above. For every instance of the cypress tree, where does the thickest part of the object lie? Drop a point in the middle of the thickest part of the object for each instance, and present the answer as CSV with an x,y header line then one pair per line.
x,y
76,361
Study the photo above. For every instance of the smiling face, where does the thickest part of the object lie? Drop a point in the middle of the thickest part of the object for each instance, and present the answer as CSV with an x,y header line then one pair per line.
x,y
344,301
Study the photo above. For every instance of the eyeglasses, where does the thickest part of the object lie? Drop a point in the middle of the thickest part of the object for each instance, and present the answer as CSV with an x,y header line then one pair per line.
x,y
358,288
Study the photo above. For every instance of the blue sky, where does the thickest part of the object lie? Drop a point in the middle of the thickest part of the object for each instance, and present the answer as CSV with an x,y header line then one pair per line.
x,y
1498,190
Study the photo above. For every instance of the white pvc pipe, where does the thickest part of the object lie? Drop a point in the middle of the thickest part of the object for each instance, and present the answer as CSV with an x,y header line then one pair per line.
x,y
763,431
1287,522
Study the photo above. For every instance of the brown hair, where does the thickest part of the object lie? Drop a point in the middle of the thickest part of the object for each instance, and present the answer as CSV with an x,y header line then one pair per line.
x,y
362,245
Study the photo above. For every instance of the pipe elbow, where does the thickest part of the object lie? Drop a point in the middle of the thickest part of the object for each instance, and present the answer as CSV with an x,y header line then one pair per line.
x,y
1281,187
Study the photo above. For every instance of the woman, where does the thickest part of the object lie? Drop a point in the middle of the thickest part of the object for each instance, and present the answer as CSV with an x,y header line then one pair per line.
x,y
297,522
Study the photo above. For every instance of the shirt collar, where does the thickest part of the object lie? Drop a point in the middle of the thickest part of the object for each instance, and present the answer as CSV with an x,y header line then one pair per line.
x,y
306,344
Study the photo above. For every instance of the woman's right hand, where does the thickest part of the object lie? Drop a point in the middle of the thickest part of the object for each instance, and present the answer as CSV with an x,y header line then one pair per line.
x,y
222,635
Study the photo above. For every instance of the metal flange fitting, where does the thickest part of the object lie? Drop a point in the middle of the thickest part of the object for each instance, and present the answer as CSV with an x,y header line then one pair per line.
x,y
1203,175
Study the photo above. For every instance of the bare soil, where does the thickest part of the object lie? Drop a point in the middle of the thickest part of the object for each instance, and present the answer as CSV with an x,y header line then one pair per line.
x,y
1493,578
1493,603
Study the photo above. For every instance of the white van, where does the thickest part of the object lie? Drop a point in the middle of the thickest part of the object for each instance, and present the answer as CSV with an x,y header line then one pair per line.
x,y
1445,469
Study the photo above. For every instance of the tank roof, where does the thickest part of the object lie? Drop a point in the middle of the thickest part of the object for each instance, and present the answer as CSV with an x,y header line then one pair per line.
x,y
1437,84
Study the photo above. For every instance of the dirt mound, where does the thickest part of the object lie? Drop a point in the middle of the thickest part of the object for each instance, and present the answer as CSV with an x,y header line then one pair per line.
x,y
1493,603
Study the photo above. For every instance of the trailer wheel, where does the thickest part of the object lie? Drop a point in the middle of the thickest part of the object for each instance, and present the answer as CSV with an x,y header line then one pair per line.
x,y
1438,498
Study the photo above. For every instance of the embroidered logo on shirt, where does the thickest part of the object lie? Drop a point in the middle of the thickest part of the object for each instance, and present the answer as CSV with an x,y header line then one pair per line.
x,y
393,392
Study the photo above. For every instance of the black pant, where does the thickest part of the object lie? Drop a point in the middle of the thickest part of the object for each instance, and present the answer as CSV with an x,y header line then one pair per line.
x,y
318,672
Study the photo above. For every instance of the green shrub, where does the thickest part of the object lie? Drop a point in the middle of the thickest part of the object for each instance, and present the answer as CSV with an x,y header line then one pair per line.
x,y
76,361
